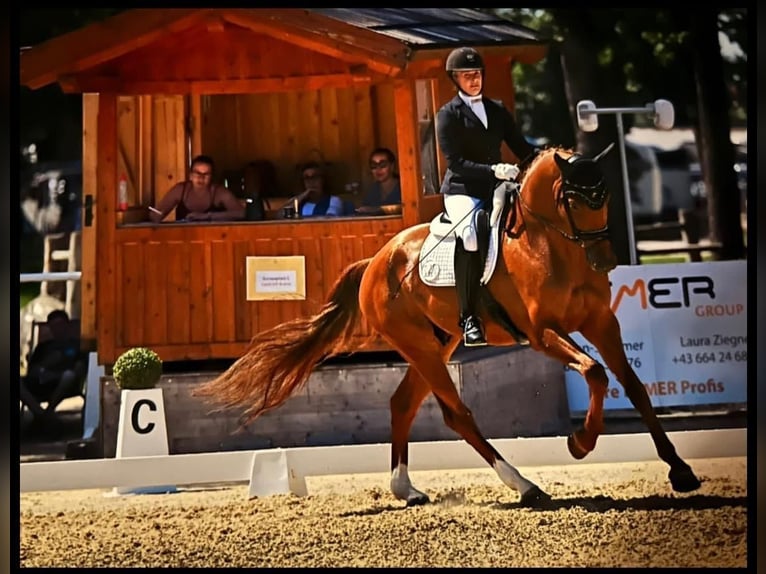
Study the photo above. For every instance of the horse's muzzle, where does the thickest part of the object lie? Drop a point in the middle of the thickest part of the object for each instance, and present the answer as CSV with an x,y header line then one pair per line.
x,y
601,257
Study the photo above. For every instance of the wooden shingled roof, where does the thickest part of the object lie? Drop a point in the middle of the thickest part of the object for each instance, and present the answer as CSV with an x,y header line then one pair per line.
x,y
383,40
433,28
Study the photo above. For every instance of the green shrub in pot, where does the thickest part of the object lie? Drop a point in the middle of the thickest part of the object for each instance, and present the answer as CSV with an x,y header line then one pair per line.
x,y
137,368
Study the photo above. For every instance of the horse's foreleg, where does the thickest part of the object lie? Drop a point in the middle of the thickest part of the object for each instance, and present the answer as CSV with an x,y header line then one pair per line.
x,y
563,348
405,403
605,335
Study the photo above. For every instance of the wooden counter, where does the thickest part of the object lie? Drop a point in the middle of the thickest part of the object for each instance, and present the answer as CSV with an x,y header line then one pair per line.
x,y
180,288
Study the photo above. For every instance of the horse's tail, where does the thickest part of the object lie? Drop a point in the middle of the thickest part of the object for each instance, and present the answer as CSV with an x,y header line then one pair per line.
x,y
278,361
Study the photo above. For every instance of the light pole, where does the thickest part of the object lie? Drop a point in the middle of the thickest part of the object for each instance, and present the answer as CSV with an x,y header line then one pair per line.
x,y
587,120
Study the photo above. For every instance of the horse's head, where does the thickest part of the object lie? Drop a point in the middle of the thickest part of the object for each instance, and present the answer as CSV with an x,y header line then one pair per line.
x,y
579,205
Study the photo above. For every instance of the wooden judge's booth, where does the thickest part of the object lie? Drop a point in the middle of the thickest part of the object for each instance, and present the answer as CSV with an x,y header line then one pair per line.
x,y
280,86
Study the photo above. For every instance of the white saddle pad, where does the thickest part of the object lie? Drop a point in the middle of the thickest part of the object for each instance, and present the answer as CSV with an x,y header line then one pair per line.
x,y
436,264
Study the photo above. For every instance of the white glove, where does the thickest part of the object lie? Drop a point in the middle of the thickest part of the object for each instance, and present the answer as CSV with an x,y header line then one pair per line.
x,y
498,200
505,171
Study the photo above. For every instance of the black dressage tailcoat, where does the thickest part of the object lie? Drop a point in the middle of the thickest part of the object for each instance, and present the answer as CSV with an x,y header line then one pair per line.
x,y
471,149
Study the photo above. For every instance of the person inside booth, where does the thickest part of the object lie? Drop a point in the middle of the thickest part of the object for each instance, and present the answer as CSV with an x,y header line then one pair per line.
x,y
385,189
315,200
198,198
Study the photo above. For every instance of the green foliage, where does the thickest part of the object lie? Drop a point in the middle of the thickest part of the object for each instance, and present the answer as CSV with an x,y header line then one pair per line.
x,y
645,53
137,368
27,292
38,25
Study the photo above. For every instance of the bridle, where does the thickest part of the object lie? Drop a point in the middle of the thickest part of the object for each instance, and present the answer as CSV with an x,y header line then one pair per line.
x,y
593,195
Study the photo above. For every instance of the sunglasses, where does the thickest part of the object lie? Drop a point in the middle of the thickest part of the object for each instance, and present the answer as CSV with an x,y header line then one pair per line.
x,y
201,173
379,164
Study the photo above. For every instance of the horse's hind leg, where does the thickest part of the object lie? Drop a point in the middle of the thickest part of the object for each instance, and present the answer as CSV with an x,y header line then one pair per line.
x,y
604,333
405,402
429,365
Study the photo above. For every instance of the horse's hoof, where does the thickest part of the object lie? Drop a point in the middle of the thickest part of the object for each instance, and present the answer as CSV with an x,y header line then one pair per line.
x,y
575,449
418,499
534,498
683,480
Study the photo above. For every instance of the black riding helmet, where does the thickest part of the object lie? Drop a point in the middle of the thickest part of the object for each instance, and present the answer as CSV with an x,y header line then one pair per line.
x,y
462,60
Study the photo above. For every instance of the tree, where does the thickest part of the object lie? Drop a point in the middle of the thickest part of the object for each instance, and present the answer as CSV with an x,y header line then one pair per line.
x,y
716,148
39,25
582,77
631,57
49,118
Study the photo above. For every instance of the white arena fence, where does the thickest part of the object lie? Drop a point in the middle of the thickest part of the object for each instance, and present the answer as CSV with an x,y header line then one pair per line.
x,y
52,276
281,471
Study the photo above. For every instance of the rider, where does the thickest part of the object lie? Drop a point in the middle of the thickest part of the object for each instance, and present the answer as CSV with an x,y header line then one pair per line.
x,y
471,129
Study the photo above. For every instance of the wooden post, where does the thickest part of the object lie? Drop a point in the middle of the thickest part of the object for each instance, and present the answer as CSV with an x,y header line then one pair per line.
x,y
88,315
195,115
105,220
499,85
408,144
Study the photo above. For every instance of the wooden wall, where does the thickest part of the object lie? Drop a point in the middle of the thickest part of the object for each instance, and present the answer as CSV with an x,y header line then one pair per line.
x,y
303,112
152,146
340,126
182,289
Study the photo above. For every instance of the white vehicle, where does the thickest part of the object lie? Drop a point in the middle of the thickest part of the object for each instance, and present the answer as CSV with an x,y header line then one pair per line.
x,y
678,191
645,182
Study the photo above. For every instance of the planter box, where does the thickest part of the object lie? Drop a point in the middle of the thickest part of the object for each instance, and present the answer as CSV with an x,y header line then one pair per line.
x,y
511,392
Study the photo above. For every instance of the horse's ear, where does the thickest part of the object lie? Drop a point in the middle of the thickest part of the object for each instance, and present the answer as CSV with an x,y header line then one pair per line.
x,y
606,150
561,162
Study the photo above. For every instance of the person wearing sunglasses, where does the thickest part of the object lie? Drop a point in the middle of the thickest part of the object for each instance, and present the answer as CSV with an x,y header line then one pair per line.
x,y
471,129
385,189
198,198
315,200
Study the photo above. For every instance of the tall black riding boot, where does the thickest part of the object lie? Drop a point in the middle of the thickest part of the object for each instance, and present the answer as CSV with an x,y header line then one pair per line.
x,y
467,276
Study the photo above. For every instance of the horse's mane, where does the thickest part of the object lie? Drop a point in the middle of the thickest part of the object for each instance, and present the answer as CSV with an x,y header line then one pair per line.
x,y
542,170
545,156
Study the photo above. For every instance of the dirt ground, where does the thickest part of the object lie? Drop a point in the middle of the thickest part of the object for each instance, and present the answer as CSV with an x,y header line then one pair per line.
x,y
601,515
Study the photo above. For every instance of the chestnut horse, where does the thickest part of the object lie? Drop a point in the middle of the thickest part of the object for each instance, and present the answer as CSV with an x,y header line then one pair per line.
x,y
551,279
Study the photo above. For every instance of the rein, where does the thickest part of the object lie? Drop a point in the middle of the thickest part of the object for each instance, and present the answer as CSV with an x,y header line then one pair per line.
x,y
581,237
544,220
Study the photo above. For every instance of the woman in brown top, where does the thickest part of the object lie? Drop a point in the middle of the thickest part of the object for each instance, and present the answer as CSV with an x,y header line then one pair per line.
x,y
198,199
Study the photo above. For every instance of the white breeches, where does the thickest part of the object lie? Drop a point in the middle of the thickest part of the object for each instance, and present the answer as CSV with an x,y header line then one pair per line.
x,y
458,208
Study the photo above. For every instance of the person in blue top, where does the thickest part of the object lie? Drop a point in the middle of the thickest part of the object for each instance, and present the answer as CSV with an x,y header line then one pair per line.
x,y
385,190
315,200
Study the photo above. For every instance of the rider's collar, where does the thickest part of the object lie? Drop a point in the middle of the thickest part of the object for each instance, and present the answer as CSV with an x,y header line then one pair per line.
x,y
470,100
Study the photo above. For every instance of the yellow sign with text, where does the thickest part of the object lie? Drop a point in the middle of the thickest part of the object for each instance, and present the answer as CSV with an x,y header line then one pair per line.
x,y
276,278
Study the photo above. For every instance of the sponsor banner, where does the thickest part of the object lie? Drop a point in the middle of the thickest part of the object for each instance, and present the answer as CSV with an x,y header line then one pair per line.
x,y
684,330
